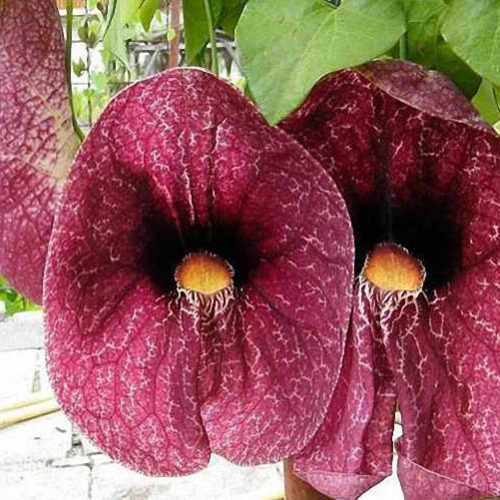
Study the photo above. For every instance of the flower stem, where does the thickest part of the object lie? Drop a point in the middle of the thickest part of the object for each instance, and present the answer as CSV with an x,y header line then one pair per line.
x,y
211,37
174,23
402,46
69,46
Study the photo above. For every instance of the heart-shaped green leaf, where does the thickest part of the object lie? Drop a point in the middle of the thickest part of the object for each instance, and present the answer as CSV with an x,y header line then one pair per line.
x,y
472,28
196,25
287,46
426,46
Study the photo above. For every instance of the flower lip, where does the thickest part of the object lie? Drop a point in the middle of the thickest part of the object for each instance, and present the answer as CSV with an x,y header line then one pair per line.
x,y
392,268
208,372
204,272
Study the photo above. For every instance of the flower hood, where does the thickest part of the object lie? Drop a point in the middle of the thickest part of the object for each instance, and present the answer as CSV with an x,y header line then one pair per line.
x,y
418,170
37,142
198,283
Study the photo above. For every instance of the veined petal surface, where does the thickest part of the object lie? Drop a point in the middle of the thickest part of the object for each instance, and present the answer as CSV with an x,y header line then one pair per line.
x,y
417,166
182,163
37,143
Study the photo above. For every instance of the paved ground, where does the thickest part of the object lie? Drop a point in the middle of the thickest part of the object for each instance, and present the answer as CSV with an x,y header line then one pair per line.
x,y
45,459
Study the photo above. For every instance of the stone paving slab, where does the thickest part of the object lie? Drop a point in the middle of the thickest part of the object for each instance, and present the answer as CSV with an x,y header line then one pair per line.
x,y
220,481
38,440
22,331
17,369
35,481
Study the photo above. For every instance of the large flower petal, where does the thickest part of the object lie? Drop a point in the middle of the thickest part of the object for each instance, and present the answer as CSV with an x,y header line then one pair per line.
x,y
37,142
416,165
178,163
353,449
460,436
422,484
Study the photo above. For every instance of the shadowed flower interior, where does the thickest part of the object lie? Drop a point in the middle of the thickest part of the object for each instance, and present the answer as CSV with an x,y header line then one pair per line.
x,y
198,283
165,244
431,229
416,167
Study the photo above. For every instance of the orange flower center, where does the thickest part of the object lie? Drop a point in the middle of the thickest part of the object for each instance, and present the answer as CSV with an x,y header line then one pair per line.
x,y
203,273
391,267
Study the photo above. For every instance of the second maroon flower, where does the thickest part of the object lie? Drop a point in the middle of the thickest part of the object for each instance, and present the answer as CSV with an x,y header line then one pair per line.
x,y
417,168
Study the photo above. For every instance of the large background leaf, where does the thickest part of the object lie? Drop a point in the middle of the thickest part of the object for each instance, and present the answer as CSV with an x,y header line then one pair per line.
x,y
147,11
287,46
423,19
472,28
426,46
231,12
196,25
487,102
120,13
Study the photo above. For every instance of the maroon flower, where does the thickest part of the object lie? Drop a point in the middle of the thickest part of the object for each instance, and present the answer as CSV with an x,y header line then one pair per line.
x,y
417,168
197,289
37,141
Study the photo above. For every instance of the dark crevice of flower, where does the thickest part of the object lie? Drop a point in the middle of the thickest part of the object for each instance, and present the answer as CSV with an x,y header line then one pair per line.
x,y
427,230
225,241
166,247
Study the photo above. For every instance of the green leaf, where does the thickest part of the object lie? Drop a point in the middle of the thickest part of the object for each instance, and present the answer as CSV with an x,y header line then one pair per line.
x,y
472,28
487,102
147,11
286,46
451,65
120,13
89,30
426,46
12,301
424,18
196,26
497,127
230,15
79,67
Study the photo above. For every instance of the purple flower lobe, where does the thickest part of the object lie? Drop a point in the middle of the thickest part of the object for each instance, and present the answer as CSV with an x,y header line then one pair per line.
x,y
157,364
417,167
37,142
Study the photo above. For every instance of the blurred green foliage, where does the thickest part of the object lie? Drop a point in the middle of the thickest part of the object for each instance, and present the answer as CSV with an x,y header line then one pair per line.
x,y
11,302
